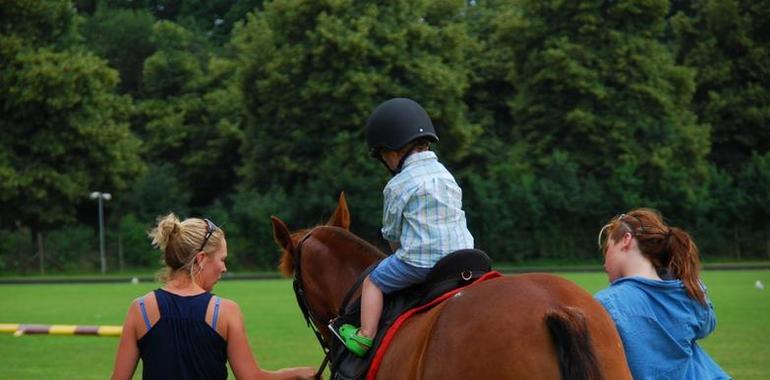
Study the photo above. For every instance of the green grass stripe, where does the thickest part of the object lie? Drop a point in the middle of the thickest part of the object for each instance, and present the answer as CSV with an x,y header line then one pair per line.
x,y
280,338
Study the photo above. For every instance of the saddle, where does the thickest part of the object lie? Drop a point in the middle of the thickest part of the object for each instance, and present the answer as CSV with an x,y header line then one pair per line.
x,y
455,270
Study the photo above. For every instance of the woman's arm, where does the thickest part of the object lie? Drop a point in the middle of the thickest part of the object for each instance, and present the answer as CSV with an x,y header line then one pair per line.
x,y
239,353
707,320
128,352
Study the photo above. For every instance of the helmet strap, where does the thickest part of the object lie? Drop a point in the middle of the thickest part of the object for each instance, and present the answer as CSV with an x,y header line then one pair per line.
x,y
401,162
392,172
408,153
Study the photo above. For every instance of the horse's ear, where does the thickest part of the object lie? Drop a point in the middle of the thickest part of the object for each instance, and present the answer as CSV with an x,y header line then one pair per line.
x,y
341,216
281,234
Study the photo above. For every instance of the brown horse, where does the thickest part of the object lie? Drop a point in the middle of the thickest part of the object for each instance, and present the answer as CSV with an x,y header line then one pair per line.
x,y
529,326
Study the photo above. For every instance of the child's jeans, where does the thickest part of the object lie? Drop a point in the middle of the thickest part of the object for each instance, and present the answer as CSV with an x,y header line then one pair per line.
x,y
393,274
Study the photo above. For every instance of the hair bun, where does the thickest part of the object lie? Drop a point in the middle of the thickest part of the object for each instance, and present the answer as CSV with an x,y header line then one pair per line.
x,y
167,227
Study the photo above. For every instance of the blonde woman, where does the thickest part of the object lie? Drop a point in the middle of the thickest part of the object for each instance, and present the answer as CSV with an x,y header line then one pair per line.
x,y
183,331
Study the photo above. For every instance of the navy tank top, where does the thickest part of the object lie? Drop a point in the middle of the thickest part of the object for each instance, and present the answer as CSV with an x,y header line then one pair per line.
x,y
181,345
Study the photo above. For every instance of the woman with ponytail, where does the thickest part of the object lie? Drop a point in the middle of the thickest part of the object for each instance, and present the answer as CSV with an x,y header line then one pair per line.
x,y
183,331
656,297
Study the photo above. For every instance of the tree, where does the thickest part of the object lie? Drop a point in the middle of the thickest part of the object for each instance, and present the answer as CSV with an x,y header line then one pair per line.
x,y
122,36
754,180
155,192
65,129
494,78
315,70
191,115
596,82
726,42
37,22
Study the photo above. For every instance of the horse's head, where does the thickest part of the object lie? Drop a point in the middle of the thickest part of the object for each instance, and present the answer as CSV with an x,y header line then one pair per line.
x,y
330,259
289,241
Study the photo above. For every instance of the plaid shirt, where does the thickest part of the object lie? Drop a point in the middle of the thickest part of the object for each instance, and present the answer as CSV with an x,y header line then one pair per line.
x,y
423,212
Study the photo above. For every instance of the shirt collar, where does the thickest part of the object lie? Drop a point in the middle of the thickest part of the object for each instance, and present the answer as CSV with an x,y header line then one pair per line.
x,y
420,156
650,282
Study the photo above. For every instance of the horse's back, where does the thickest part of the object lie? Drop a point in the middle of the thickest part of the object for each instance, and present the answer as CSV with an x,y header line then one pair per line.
x,y
496,330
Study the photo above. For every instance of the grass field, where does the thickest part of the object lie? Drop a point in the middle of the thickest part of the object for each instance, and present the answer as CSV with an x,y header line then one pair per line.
x,y
280,338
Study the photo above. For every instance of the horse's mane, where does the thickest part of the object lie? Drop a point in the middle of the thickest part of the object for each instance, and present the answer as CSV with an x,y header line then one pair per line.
x,y
359,245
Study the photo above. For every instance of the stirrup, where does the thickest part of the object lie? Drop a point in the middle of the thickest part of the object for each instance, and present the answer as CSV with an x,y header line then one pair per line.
x,y
355,343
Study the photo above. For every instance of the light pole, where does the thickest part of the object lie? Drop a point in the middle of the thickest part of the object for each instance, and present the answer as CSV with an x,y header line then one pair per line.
x,y
106,196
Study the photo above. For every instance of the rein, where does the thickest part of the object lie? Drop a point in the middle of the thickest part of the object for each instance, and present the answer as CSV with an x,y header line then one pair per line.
x,y
299,292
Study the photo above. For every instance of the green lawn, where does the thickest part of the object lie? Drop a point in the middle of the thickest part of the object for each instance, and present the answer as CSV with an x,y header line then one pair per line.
x,y
279,336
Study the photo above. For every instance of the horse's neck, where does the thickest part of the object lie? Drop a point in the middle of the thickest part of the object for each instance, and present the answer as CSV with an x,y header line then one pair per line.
x,y
343,264
354,265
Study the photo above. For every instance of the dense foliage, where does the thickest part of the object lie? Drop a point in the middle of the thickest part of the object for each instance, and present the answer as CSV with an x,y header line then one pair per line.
x,y
553,115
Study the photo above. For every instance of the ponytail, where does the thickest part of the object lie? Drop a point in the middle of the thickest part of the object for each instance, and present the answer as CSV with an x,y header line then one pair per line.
x,y
685,262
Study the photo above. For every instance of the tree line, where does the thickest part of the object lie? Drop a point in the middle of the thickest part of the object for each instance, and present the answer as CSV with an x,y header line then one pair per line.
x,y
553,115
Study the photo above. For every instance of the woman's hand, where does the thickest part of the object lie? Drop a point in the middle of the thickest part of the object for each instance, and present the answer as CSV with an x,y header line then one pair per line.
x,y
304,373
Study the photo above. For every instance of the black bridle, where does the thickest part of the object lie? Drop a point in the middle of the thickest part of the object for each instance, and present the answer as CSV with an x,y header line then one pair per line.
x,y
310,318
299,292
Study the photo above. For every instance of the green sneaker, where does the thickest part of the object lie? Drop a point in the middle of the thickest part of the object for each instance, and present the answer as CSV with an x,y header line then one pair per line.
x,y
357,344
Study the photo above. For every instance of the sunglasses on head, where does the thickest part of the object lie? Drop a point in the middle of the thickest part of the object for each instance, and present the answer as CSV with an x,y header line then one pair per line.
x,y
210,228
619,219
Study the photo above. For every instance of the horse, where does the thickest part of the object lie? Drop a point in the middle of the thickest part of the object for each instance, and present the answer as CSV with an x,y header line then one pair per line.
x,y
526,326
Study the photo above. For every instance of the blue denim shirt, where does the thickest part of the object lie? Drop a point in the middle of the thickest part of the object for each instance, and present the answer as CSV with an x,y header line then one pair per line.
x,y
423,212
659,325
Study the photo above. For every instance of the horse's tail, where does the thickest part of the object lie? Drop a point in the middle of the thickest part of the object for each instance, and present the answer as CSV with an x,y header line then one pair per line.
x,y
570,336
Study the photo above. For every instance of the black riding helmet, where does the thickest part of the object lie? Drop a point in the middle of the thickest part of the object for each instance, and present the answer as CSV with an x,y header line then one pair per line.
x,y
396,123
